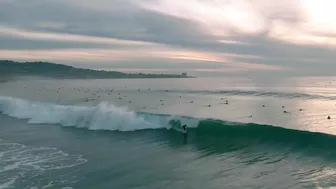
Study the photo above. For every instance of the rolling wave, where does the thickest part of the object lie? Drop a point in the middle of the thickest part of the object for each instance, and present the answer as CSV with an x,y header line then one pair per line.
x,y
109,117
265,134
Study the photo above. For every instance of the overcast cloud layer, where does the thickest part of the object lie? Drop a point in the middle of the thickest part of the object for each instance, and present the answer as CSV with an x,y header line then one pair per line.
x,y
288,37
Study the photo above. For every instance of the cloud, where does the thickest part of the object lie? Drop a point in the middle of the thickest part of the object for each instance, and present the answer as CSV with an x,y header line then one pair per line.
x,y
170,60
35,35
288,36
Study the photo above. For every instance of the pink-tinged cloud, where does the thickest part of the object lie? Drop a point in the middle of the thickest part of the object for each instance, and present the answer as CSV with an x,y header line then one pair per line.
x,y
104,55
222,70
50,36
155,70
232,42
110,55
135,70
256,66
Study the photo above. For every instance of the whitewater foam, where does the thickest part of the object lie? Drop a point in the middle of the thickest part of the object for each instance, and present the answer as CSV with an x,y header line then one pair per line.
x,y
19,162
104,116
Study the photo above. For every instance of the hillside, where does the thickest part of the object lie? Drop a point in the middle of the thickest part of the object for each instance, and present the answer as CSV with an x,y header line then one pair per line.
x,y
46,69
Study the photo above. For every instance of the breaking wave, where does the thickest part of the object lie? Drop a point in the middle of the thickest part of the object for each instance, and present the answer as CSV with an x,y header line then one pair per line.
x,y
101,117
109,117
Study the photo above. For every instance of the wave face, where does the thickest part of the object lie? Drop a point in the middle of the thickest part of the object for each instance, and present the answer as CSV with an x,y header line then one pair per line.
x,y
108,117
264,133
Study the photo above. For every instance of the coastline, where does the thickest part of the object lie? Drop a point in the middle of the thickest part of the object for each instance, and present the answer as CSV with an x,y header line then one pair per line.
x,y
60,71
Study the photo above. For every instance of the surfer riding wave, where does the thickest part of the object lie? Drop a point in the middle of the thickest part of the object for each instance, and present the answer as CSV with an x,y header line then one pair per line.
x,y
176,125
185,129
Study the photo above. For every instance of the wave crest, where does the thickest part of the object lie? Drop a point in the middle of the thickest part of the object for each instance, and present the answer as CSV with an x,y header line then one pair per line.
x,y
101,117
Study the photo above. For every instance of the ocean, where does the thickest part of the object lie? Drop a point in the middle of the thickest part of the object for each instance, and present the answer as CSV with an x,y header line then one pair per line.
x,y
269,133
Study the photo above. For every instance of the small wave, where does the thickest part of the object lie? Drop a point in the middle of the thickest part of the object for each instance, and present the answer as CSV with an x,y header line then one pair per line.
x,y
257,93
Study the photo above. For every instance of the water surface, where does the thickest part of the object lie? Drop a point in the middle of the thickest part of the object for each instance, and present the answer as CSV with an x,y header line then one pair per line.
x,y
116,133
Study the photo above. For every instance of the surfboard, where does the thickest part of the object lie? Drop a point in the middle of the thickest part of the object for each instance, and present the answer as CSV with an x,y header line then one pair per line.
x,y
178,129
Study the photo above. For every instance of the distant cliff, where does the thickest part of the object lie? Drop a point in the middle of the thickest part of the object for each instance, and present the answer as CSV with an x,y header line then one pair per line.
x,y
46,69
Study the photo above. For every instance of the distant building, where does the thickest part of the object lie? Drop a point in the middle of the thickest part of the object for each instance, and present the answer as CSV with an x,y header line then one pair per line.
x,y
184,74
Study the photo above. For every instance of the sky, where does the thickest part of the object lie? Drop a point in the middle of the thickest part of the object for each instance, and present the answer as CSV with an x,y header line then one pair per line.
x,y
200,37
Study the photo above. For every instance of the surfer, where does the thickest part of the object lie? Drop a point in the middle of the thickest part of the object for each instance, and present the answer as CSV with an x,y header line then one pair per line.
x,y
185,133
185,130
